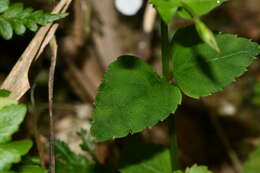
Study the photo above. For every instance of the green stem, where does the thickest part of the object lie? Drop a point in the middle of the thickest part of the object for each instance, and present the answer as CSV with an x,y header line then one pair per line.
x,y
165,49
166,60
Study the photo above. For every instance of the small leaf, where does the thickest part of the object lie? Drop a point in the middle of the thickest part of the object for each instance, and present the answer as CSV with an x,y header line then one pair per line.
x,y
4,5
10,119
14,10
252,164
201,71
67,161
138,157
4,93
11,153
131,98
206,34
18,27
87,145
6,30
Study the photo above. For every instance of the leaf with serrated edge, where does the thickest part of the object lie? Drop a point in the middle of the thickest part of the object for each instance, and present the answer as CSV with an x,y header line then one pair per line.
x,y
12,152
10,119
201,71
131,98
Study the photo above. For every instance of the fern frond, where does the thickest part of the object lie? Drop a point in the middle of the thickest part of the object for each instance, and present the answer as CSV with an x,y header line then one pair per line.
x,y
14,18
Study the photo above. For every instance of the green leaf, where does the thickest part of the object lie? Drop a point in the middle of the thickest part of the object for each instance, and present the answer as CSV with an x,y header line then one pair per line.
x,y
197,169
252,164
10,119
131,98
32,169
206,34
11,153
87,144
199,7
6,30
4,5
18,19
201,71
5,101
168,8
4,93
67,161
138,157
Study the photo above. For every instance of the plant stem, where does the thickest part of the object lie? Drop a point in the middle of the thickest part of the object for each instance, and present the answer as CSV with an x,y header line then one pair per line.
x,y
165,49
166,59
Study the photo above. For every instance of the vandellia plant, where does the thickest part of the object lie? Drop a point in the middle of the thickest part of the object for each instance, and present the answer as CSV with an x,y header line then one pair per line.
x,y
133,97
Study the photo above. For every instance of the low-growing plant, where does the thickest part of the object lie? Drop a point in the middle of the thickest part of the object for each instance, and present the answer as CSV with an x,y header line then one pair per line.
x,y
195,62
14,18
132,96
11,116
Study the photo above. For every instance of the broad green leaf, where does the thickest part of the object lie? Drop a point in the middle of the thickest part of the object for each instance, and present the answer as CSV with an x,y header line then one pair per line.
x,y
32,169
11,153
4,5
10,119
4,93
201,71
131,98
138,157
168,8
252,164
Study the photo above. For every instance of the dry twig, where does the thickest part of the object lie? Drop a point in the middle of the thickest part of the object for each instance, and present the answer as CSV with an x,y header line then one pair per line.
x,y
17,81
54,48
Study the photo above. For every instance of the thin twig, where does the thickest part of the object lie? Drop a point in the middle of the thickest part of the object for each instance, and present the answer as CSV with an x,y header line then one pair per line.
x,y
54,47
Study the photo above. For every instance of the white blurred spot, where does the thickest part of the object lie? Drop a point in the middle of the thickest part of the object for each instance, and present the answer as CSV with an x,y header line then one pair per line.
x,y
128,7
227,109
